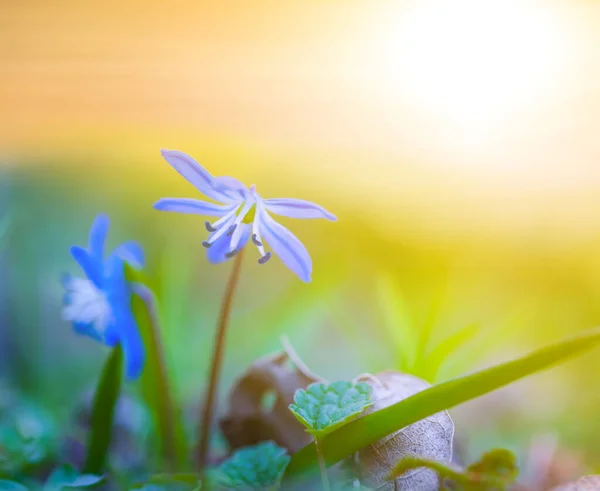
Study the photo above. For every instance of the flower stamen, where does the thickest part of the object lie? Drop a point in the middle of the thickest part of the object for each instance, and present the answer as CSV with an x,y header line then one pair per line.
x,y
225,218
265,258
237,232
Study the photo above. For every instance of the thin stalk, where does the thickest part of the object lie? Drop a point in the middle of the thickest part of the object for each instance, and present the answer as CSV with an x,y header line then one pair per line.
x,y
163,400
217,361
322,466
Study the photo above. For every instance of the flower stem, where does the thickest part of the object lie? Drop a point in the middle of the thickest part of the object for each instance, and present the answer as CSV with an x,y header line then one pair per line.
x,y
215,367
156,376
322,466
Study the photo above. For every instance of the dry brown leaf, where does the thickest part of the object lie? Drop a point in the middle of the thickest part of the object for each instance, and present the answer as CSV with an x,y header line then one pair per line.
x,y
258,402
431,438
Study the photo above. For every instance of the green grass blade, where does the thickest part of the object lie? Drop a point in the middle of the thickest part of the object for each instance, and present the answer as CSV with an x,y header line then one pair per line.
x,y
432,362
398,323
105,400
367,430
155,381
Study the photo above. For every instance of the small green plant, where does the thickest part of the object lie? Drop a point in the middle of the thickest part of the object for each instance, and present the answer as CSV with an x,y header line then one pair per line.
x,y
11,486
252,468
27,438
324,408
64,477
495,471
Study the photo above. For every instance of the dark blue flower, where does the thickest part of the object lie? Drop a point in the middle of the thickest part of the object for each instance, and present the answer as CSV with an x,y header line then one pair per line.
x,y
99,305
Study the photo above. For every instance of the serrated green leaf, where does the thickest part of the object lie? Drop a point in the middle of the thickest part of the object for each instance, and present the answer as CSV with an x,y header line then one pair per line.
x,y
322,408
67,477
250,468
11,486
103,411
367,430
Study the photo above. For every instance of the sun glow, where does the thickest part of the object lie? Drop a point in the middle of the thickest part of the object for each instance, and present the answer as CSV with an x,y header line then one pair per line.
x,y
475,66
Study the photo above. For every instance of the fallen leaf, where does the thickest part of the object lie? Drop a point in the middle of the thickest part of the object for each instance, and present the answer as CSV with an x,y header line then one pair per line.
x,y
259,400
429,438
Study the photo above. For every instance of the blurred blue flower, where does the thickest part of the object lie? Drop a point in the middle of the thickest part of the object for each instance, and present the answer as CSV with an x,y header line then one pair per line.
x,y
243,214
99,305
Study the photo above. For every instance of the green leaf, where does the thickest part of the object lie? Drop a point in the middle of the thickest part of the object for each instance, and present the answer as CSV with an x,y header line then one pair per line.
x,y
367,430
169,482
11,486
103,411
322,408
499,465
250,468
496,470
27,437
67,477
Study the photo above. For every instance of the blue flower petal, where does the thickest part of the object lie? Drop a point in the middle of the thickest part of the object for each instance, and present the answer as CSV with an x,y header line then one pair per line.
x,y
195,206
285,244
87,329
131,341
91,267
97,236
216,252
111,335
132,253
297,208
194,173
125,328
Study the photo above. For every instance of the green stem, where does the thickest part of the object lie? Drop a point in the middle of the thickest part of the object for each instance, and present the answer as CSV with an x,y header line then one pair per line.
x,y
215,367
322,466
162,398
105,401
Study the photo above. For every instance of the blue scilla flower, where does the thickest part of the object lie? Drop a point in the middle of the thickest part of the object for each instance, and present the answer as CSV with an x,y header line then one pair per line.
x,y
243,214
99,305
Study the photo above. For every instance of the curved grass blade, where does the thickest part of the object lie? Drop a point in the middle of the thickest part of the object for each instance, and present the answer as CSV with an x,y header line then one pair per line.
x,y
432,362
155,381
105,400
367,430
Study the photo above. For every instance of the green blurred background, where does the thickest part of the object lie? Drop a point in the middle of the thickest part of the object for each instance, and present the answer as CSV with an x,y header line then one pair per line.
x,y
455,141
